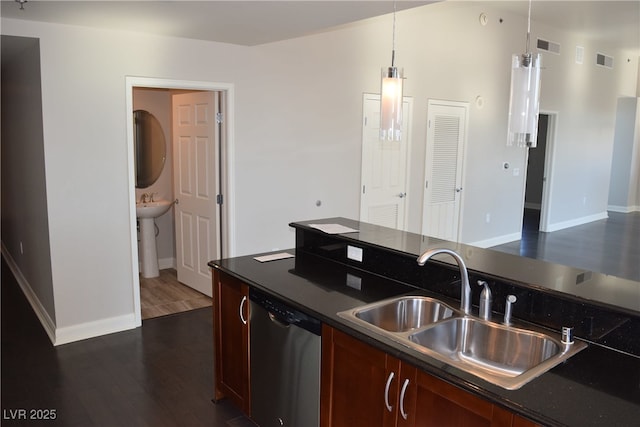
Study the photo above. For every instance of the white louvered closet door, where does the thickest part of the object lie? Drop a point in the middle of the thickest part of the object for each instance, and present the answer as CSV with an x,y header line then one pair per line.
x,y
446,136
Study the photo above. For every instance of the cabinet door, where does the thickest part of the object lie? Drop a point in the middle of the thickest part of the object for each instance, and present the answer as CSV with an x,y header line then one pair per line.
x,y
355,377
438,403
231,339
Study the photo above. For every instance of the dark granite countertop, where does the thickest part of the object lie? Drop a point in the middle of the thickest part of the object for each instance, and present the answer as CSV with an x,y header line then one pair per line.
x,y
606,290
597,387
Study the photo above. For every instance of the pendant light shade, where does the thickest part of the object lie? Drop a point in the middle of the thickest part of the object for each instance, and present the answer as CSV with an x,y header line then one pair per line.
x,y
391,104
525,100
391,95
524,103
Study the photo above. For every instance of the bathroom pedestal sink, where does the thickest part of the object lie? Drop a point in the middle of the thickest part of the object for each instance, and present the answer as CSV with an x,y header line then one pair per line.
x,y
147,212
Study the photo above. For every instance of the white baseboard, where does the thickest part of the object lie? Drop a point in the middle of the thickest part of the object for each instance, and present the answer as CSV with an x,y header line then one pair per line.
x,y
495,241
164,263
72,333
623,209
577,221
94,329
47,322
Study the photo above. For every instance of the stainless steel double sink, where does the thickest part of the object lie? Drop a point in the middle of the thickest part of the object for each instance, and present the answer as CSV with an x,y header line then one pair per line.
x,y
507,356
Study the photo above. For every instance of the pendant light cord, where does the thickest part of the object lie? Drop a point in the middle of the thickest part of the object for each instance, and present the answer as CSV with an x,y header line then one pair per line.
x,y
393,40
529,29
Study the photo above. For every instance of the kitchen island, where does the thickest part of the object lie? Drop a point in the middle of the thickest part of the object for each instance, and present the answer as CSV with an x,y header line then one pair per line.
x,y
597,386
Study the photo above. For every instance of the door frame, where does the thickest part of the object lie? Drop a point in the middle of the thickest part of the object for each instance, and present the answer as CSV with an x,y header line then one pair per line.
x,y
547,183
227,185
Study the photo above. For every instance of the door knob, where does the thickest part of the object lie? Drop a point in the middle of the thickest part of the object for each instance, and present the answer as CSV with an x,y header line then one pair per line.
x,y
459,189
401,195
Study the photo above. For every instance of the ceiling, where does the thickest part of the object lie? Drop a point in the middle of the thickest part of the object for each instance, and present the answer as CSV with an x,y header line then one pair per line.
x,y
252,23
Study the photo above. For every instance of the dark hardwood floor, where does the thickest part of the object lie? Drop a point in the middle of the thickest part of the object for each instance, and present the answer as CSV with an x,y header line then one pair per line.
x,y
158,375
610,246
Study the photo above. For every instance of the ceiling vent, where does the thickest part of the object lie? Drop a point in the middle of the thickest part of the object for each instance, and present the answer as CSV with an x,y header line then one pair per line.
x,y
548,46
604,60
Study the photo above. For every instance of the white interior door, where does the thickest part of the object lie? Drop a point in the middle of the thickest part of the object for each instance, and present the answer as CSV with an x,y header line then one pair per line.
x,y
196,185
446,138
385,168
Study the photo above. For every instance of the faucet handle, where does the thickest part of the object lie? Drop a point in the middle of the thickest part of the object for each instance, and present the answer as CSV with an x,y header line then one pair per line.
x,y
511,299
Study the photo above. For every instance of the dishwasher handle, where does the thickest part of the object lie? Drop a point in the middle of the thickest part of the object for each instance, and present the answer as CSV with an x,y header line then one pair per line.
x,y
274,318
284,314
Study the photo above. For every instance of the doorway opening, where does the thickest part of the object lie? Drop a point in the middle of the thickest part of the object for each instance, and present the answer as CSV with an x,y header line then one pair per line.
x,y
199,141
535,217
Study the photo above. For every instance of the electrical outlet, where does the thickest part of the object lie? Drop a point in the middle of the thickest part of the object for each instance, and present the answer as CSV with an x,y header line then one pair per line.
x,y
354,253
487,218
354,282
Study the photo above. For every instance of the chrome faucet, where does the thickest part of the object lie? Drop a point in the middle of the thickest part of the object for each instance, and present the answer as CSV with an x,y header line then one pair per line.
x,y
144,198
465,289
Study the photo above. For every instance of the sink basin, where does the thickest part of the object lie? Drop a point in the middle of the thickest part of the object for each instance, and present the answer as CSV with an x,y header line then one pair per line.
x,y
404,313
506,356
152,209
503,355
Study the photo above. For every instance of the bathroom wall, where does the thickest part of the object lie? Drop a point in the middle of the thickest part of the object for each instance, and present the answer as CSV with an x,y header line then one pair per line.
x,y
158,103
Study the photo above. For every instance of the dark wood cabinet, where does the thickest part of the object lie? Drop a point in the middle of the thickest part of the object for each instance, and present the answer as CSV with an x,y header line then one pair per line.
x,y
365,387
438,403
231,339
353,380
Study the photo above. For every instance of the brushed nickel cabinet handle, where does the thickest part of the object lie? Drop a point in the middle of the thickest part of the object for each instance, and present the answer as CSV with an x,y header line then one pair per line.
x,y
242,319
402,393
386,392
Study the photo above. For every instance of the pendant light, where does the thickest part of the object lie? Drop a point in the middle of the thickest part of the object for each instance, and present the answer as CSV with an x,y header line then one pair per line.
x,y
525,95
391,95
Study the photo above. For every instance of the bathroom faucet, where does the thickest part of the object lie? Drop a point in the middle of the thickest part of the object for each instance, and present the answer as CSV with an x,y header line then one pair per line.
x,y
144,198
465,289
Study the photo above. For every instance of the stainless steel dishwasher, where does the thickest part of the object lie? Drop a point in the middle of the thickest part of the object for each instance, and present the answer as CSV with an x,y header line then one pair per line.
x,y
285,364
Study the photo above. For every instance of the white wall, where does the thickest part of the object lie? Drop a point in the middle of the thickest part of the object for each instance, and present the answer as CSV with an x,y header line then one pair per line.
x,y
25,227
297,132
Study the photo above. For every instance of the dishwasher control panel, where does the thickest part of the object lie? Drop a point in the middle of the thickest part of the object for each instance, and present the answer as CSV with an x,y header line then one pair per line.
x,y
283,313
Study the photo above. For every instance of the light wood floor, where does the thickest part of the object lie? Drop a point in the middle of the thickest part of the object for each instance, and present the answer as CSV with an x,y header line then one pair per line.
x,y
164,295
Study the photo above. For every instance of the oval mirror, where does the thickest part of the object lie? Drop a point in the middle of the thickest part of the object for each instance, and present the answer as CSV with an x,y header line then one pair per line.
x,y
150,148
